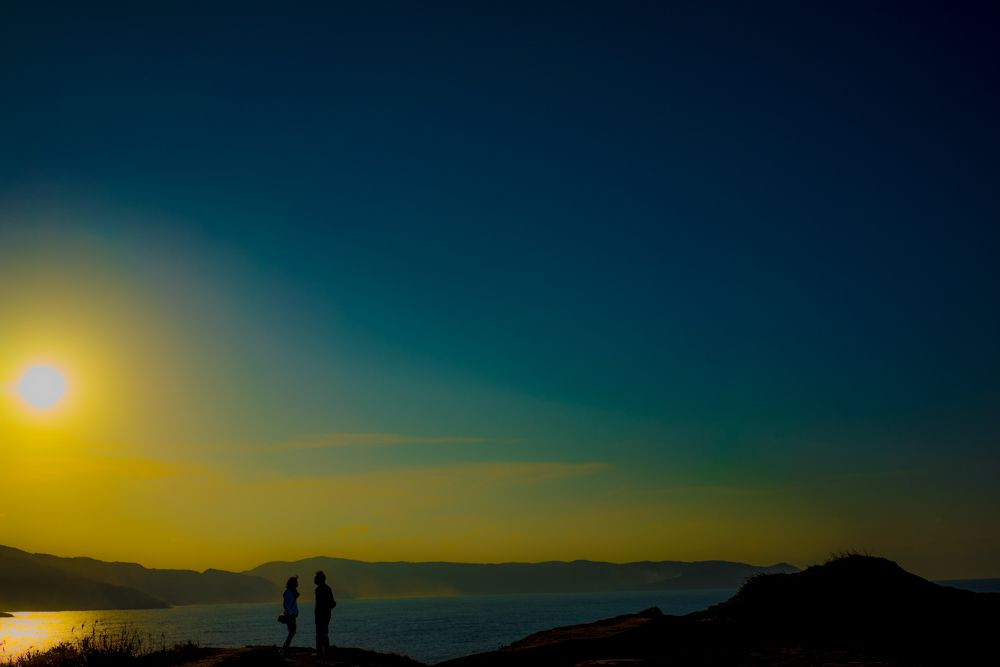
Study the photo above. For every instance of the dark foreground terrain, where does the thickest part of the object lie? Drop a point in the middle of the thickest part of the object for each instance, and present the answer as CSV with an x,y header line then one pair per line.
x,y
854,610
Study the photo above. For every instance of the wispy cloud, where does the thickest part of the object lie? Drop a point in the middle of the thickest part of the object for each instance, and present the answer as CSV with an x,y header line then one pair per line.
x,y
425,484
55,467
320,440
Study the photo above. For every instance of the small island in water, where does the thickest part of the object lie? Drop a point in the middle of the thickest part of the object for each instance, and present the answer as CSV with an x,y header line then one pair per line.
x,y
854,609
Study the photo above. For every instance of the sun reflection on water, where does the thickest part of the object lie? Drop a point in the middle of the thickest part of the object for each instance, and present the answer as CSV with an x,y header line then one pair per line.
x,y
29,631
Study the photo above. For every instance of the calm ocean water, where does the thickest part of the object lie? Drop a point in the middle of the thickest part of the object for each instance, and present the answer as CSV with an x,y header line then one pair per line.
x,y
428,629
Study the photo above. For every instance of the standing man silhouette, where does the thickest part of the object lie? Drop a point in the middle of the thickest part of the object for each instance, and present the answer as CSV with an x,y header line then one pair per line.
x,y
324,609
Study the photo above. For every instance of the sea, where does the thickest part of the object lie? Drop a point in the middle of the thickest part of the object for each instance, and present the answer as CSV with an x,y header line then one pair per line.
x,y
427,629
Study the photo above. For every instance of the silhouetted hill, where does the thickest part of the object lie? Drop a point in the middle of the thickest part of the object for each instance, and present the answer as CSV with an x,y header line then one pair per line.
x,y
851,610
42,581
173,586
28,583
46,582
359,579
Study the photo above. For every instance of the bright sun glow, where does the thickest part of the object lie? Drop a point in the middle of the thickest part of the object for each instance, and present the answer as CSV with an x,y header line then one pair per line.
x,y
41,387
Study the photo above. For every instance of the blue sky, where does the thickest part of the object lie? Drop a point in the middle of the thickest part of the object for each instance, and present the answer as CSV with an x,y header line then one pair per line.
x,y
721,245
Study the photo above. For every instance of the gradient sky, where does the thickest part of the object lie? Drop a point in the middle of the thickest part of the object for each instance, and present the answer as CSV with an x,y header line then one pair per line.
x,y
489,281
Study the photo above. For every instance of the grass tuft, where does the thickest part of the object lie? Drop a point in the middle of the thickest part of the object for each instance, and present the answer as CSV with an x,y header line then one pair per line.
x,y
102,647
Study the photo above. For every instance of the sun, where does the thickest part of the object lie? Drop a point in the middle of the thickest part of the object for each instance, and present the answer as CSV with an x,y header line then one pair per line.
x,y
42,387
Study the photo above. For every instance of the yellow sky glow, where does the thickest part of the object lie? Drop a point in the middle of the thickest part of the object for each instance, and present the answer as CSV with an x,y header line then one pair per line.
x,y
154,454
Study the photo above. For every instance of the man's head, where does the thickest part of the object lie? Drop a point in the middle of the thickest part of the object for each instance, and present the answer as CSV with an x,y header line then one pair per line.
x,y
320,578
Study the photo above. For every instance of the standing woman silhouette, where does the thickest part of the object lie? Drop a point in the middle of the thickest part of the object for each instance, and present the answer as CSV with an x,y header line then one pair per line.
x,y
291,609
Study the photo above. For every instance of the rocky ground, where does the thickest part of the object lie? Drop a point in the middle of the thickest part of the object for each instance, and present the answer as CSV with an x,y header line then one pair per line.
x,y
296,657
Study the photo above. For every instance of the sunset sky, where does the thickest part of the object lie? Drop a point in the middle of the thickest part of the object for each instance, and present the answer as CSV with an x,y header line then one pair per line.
x,y
481,282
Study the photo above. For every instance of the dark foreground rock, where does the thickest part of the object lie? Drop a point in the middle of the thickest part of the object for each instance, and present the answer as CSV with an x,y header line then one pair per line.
x,y
298,657
855,610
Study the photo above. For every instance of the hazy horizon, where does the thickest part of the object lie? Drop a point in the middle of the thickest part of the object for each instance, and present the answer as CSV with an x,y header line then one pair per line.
x,y
486,283
251,567
335,556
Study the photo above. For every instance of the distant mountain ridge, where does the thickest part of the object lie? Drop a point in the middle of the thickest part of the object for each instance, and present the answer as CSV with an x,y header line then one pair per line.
x,y
28,583
360,579
46,582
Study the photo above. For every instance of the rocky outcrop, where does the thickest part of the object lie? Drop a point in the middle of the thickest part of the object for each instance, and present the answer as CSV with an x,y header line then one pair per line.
x,y
851,610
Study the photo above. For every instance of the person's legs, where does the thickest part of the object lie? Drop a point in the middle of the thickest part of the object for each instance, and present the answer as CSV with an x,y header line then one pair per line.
x,y
291,633
322,633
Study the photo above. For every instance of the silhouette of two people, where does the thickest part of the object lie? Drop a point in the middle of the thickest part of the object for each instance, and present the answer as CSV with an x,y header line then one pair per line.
x,y
324,610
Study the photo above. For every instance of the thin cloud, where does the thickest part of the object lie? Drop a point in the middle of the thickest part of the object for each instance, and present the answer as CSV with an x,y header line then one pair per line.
x,y
440,476
55,467
322,440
